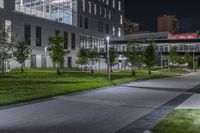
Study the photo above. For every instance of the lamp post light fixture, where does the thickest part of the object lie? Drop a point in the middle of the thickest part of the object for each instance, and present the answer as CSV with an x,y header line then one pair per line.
x,y
108,58
45,50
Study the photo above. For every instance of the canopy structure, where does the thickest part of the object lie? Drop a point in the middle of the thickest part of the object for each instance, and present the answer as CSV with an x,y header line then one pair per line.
x,y
57,10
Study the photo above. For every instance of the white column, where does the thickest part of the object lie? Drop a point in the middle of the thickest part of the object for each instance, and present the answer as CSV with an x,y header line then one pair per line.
x,y
21,2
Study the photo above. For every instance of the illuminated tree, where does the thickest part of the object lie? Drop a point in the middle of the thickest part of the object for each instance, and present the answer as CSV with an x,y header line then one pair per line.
x,y
150,56
6,46
21,52
57,52
82,57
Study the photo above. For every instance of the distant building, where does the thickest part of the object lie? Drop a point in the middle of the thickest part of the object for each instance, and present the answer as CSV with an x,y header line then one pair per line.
x,y
131,27
168,23
183,43
161,36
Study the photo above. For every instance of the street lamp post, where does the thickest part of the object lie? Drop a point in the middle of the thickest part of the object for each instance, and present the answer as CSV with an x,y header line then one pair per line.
x,y
45,55
161,58
193,61
108,58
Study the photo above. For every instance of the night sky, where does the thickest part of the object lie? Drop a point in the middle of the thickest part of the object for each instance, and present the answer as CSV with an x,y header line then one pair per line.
x,y
145,12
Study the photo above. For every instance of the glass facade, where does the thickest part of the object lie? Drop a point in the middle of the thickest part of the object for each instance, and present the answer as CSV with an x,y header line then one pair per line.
x,y
58,10
90,42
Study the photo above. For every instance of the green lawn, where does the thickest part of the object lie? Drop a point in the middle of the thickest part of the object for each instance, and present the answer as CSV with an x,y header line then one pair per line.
x,y
37,84
180,121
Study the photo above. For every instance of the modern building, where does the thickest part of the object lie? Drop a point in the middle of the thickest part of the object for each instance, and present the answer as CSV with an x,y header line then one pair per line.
x,y
168,23
84,24
131,27
164,41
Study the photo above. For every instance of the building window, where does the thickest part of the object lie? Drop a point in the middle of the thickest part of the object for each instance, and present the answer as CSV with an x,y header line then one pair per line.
x,y
73,41
86,23
90,7
99,23
1,3
121,19
95,9
113,30
100,11
119,5
81,21
8,26
109,15
113,3
105,13
119,32
69,62
102,27
33,61
107,2
27,33
83,5
38,36
107,29
81,41
66,40
57,32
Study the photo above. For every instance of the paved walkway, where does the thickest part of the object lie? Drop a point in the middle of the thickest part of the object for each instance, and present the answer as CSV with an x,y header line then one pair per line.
x,y
191,103
108,110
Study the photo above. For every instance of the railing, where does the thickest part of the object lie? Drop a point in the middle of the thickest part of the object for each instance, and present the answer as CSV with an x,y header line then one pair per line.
x,y
32,12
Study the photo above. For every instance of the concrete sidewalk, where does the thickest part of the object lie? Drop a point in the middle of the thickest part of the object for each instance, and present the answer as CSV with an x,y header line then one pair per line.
x,y
106,110
191,103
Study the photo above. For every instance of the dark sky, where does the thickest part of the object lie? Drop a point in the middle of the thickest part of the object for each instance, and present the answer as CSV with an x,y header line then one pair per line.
x,y
145,12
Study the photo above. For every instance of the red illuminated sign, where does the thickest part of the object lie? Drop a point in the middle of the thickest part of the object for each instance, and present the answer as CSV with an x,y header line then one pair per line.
x,y
186,36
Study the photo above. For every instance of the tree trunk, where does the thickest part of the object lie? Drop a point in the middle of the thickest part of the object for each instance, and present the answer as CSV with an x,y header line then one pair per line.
x,y
92,71
91,67
172,68
133,72
81,68
150,71
58,69
22,69
111,70
2,67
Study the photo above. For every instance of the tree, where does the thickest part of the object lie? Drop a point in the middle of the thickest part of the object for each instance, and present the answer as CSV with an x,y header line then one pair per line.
x,y
21,52
180,60
132,54
6,46
57,52
150,56
82,57
113,58
175,26
93,57
140,59
189,60
172,57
